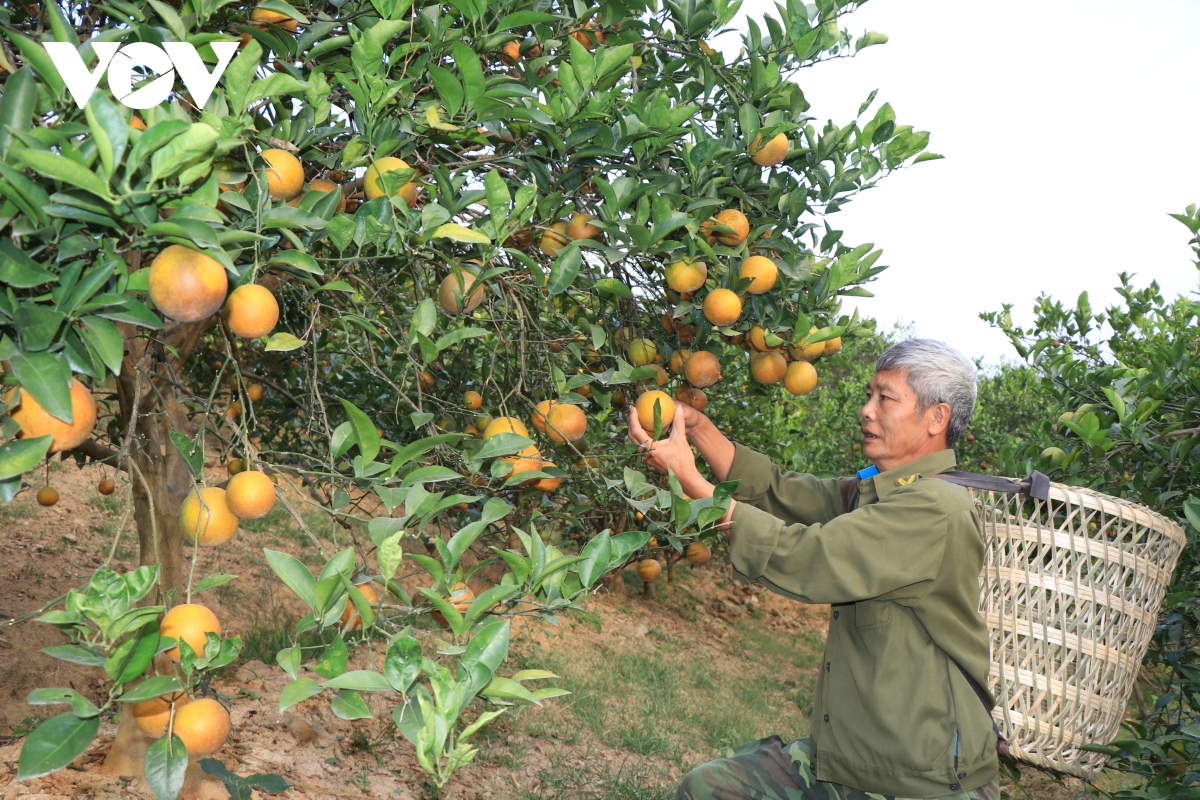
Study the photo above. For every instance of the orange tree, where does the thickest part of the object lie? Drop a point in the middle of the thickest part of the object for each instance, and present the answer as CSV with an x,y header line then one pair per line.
x,y
449,245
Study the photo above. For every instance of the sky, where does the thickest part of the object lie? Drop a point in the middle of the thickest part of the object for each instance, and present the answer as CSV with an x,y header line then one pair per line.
x,y
1070,129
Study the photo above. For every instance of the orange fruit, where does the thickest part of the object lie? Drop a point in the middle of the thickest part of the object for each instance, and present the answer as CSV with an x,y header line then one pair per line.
x,y
460,597
698,553
351,619
234,411
803,351
505,425
137,122
203,725
678,359
540,413
373,186
473,400
35,421
426,381
757,337
527,460
645,410
771,153
250,495
566,423
208,523
702,369
187,285
686,274
235,466
734,220
547,484
649,570
722,307
255,392
762,273
190,622
768,367
660,378
581,227
555,239
692,397
460,293
590,35
642,352
274,17
106,487
510,53
153,716
801,377
251,311
47,496
833,345
326,185
285,173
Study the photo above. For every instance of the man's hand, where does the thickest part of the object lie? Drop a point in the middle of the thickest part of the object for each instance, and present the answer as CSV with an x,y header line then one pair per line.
x,y
672,453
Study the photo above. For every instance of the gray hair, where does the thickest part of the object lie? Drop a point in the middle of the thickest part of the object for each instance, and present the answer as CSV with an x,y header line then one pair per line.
x,y
938,374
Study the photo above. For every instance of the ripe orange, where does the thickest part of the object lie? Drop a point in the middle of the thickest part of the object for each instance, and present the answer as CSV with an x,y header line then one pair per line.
x,y
590,35
692,397
510,53
47,496
757,337
153,716
235,410
527,460
326,185
555,239
137,122
734,220
473,400
768,367
833,345
275,17
581,227
649,570
187,285
771,153
547,484
208,523
678,359
106,487
285,173
702,369
803,351
203,725
505,425
461,293
762,273
686,274
540,413
255,392
698,553
566,423
426,381
351,619
801,377
189,623
722,307
373,186
35,421
250,495
461,597
642,352
251,311
645,410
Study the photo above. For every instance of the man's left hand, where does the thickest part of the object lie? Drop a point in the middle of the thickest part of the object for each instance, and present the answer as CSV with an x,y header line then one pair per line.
x,y
671,453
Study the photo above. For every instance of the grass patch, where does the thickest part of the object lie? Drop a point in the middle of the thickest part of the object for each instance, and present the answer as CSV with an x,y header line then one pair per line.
x,y
589,777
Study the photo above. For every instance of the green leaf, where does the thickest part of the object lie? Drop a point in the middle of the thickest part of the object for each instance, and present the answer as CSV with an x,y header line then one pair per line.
x,y
151,688
334,659
460,234
18,269
596,556
297,260
17,105
283,342
488,647
193,456
364,431
18,456
80,705
614,287
298,691
213,581
390,555
348,704
402,664
56,743
565,269
508,689
132,654
520,19
360,680
75,654
43,376
458,335
294,575
62,169
108,341
448,88
166,761
467,61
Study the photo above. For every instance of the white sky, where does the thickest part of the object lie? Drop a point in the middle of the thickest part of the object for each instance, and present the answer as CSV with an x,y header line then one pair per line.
x,y
1070,129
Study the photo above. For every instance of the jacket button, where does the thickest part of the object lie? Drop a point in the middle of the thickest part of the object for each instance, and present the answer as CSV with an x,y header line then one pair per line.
x,y
827,718
835,614
827,666
954,787
962,776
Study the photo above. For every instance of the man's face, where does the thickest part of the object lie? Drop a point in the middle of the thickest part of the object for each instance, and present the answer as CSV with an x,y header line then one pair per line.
x,y
891,430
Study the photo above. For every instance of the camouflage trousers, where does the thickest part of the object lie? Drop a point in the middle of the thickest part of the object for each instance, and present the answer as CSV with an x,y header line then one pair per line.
x,y
771,769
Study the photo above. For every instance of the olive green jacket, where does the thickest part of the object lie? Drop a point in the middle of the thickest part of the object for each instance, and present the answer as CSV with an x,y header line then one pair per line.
x,y
892,713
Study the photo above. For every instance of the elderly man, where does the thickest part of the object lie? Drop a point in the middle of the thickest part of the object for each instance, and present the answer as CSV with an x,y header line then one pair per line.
x,y
899,708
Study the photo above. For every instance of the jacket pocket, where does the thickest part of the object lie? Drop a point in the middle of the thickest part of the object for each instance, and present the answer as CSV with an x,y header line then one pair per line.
x,y
872,614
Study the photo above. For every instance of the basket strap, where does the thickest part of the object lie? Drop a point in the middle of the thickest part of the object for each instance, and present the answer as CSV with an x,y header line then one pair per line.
x,y
1036,485
1001,742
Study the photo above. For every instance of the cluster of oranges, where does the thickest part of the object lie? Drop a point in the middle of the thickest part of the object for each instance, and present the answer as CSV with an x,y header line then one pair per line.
x,y
210,515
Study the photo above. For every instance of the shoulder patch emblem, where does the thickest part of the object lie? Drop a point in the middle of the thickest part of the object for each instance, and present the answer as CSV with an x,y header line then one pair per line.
x,y
906,481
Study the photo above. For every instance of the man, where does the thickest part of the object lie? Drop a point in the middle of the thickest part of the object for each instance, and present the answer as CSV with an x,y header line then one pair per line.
x,y
897,554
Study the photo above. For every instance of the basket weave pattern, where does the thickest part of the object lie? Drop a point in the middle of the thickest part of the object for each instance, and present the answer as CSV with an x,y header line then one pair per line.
x,y
1071,589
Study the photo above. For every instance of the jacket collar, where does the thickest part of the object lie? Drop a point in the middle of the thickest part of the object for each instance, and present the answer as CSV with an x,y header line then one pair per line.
x,y
905,474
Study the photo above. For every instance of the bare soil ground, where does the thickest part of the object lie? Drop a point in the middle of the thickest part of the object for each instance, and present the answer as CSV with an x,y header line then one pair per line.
x,y
666,683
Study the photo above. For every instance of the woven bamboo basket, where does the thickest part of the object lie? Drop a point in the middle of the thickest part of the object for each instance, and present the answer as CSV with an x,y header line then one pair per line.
x,y
1071,589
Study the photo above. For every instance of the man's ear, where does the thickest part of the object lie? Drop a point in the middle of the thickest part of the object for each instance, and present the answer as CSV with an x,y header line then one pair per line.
x,y
939,419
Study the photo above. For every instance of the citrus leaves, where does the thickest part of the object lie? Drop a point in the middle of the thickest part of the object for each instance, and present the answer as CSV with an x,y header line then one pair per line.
x,y
56,743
